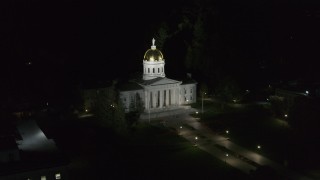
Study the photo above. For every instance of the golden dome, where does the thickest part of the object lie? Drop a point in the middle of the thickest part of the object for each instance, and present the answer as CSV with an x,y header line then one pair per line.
x,y
153,54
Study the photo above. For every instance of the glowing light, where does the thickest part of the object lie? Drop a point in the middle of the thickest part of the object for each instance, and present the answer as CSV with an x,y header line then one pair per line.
x,y
197,112
180,127
58,176
307,92
286,115
227,155
234,100
196,138
227,131
259,147
86,110
267,99
151,58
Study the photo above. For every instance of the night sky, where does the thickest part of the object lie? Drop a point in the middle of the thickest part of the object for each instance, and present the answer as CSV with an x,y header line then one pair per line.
x,y
86,40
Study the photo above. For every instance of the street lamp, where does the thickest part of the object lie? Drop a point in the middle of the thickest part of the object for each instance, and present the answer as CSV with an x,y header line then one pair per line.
x,y
225,160
259,147
196,138
202,101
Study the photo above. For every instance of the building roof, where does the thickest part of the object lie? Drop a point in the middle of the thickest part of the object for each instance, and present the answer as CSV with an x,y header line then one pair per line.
x,y
129,86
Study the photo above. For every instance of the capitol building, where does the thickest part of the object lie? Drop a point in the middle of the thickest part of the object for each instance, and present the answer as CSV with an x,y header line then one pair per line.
x,y
154,90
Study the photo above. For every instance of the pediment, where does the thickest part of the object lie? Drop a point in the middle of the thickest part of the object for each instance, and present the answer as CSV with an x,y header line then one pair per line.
x,y
158,81
164,81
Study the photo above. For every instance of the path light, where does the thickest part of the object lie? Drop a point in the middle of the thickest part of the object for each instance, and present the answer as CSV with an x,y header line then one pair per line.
x,y
86,110
225,160
227,131
286,115
259,147
195,143
197,112
307,92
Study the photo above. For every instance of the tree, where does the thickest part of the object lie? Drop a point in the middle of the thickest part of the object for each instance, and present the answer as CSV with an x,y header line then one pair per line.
x,y
108,110
136,108
162,35
228,90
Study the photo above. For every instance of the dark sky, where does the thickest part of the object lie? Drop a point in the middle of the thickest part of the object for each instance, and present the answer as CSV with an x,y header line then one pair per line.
x,y
91,38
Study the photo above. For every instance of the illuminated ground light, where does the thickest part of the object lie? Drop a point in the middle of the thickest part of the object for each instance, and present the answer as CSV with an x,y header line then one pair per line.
x,y
227,131
286,115
307,92
259,147
197,112
58,176
86,110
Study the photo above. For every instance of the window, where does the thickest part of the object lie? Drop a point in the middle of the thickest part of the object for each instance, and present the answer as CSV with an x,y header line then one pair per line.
x,y
191,98
153,70
58,176
43,178
185,91
158,70
191,90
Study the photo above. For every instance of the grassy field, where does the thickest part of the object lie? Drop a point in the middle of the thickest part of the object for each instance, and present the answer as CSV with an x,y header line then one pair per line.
x,y
156,153
148,153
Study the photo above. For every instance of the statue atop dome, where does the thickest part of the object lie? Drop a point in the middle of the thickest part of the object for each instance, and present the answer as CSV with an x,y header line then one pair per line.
x,y
153,47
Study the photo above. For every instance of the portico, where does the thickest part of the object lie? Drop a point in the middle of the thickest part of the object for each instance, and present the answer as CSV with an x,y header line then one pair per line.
x,y
161,96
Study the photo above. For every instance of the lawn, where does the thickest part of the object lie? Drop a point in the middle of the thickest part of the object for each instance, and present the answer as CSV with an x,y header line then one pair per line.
x,y
156,153
148,153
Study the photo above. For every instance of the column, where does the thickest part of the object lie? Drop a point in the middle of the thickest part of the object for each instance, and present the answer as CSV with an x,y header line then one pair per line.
x,y
146,99
161,98
167,97
151,99
174,96
170,97
154,99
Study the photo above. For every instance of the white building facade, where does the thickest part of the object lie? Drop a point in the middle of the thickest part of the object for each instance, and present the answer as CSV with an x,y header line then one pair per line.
x,y
154,90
